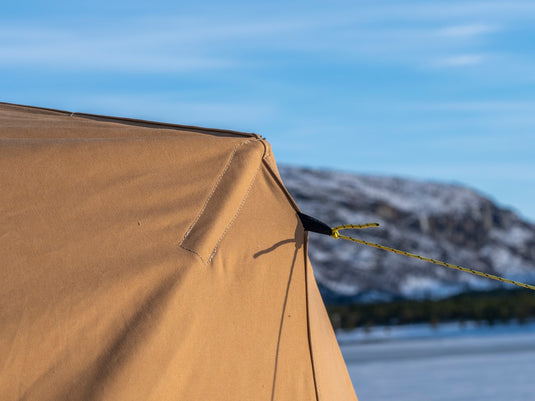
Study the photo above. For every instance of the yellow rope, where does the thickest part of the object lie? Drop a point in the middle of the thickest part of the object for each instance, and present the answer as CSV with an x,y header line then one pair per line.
x,y
336,234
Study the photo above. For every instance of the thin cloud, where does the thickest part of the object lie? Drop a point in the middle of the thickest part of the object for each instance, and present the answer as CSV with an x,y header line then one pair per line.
x,y
500,10
467,30
461,60
109,51
185,43
477,105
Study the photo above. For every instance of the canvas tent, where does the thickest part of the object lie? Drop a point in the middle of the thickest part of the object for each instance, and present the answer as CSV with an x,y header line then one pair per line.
x,y
149,261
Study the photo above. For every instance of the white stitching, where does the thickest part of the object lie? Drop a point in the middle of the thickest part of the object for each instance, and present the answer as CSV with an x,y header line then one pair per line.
x,y
214,189
236,214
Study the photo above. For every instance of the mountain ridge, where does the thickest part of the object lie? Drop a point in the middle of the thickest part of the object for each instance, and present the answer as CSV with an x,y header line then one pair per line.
x,y
448,222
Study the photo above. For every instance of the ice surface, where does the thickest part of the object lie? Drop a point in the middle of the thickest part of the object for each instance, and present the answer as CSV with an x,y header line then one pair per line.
x,y
487,364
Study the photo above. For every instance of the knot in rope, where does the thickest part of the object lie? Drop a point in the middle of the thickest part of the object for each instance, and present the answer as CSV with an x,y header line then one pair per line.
x,y
336,230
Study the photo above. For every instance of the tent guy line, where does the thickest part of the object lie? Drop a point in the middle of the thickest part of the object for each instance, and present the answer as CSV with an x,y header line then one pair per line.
x,y
314,225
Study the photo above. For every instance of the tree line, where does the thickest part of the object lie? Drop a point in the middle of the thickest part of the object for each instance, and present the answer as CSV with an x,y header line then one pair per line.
x,y
490,307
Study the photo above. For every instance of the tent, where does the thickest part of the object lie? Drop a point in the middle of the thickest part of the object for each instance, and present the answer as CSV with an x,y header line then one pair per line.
x,y
151,261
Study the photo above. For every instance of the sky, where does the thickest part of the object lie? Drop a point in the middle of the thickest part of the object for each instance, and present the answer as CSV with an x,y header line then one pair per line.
x,y
431,90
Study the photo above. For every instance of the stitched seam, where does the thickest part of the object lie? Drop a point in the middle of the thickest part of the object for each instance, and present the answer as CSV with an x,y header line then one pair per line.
x,y
267,158
214,189
315,369
236,214
195,252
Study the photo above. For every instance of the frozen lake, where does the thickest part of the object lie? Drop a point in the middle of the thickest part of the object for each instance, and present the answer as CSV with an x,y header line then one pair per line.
x,y
449,364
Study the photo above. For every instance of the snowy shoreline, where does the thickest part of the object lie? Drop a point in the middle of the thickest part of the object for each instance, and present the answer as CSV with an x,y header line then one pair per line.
x,y
427,331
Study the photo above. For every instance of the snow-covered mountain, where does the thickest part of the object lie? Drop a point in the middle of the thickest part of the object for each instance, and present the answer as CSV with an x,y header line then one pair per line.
x,y
442,221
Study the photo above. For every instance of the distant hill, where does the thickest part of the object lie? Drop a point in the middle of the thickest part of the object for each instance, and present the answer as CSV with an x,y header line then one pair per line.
x,y
442,221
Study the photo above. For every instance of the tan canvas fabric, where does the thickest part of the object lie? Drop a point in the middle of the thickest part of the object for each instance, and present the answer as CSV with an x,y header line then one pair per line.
x,y
145,261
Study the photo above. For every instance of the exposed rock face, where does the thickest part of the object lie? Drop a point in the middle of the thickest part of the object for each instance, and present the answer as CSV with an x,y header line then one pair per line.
x,y
442,221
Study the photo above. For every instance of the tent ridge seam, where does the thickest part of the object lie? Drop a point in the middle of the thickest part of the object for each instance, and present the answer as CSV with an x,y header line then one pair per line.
x,y
195,252
235,214
229,162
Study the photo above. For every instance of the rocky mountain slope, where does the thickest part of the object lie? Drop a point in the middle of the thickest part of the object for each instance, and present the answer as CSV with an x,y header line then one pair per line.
x,y
442,221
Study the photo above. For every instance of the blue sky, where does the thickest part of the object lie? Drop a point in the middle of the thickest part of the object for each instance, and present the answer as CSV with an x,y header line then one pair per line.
x,y
440,90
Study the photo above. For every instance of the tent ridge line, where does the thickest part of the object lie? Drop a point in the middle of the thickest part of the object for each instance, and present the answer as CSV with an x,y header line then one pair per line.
x,y
281,185
85,140
307,306
131,121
